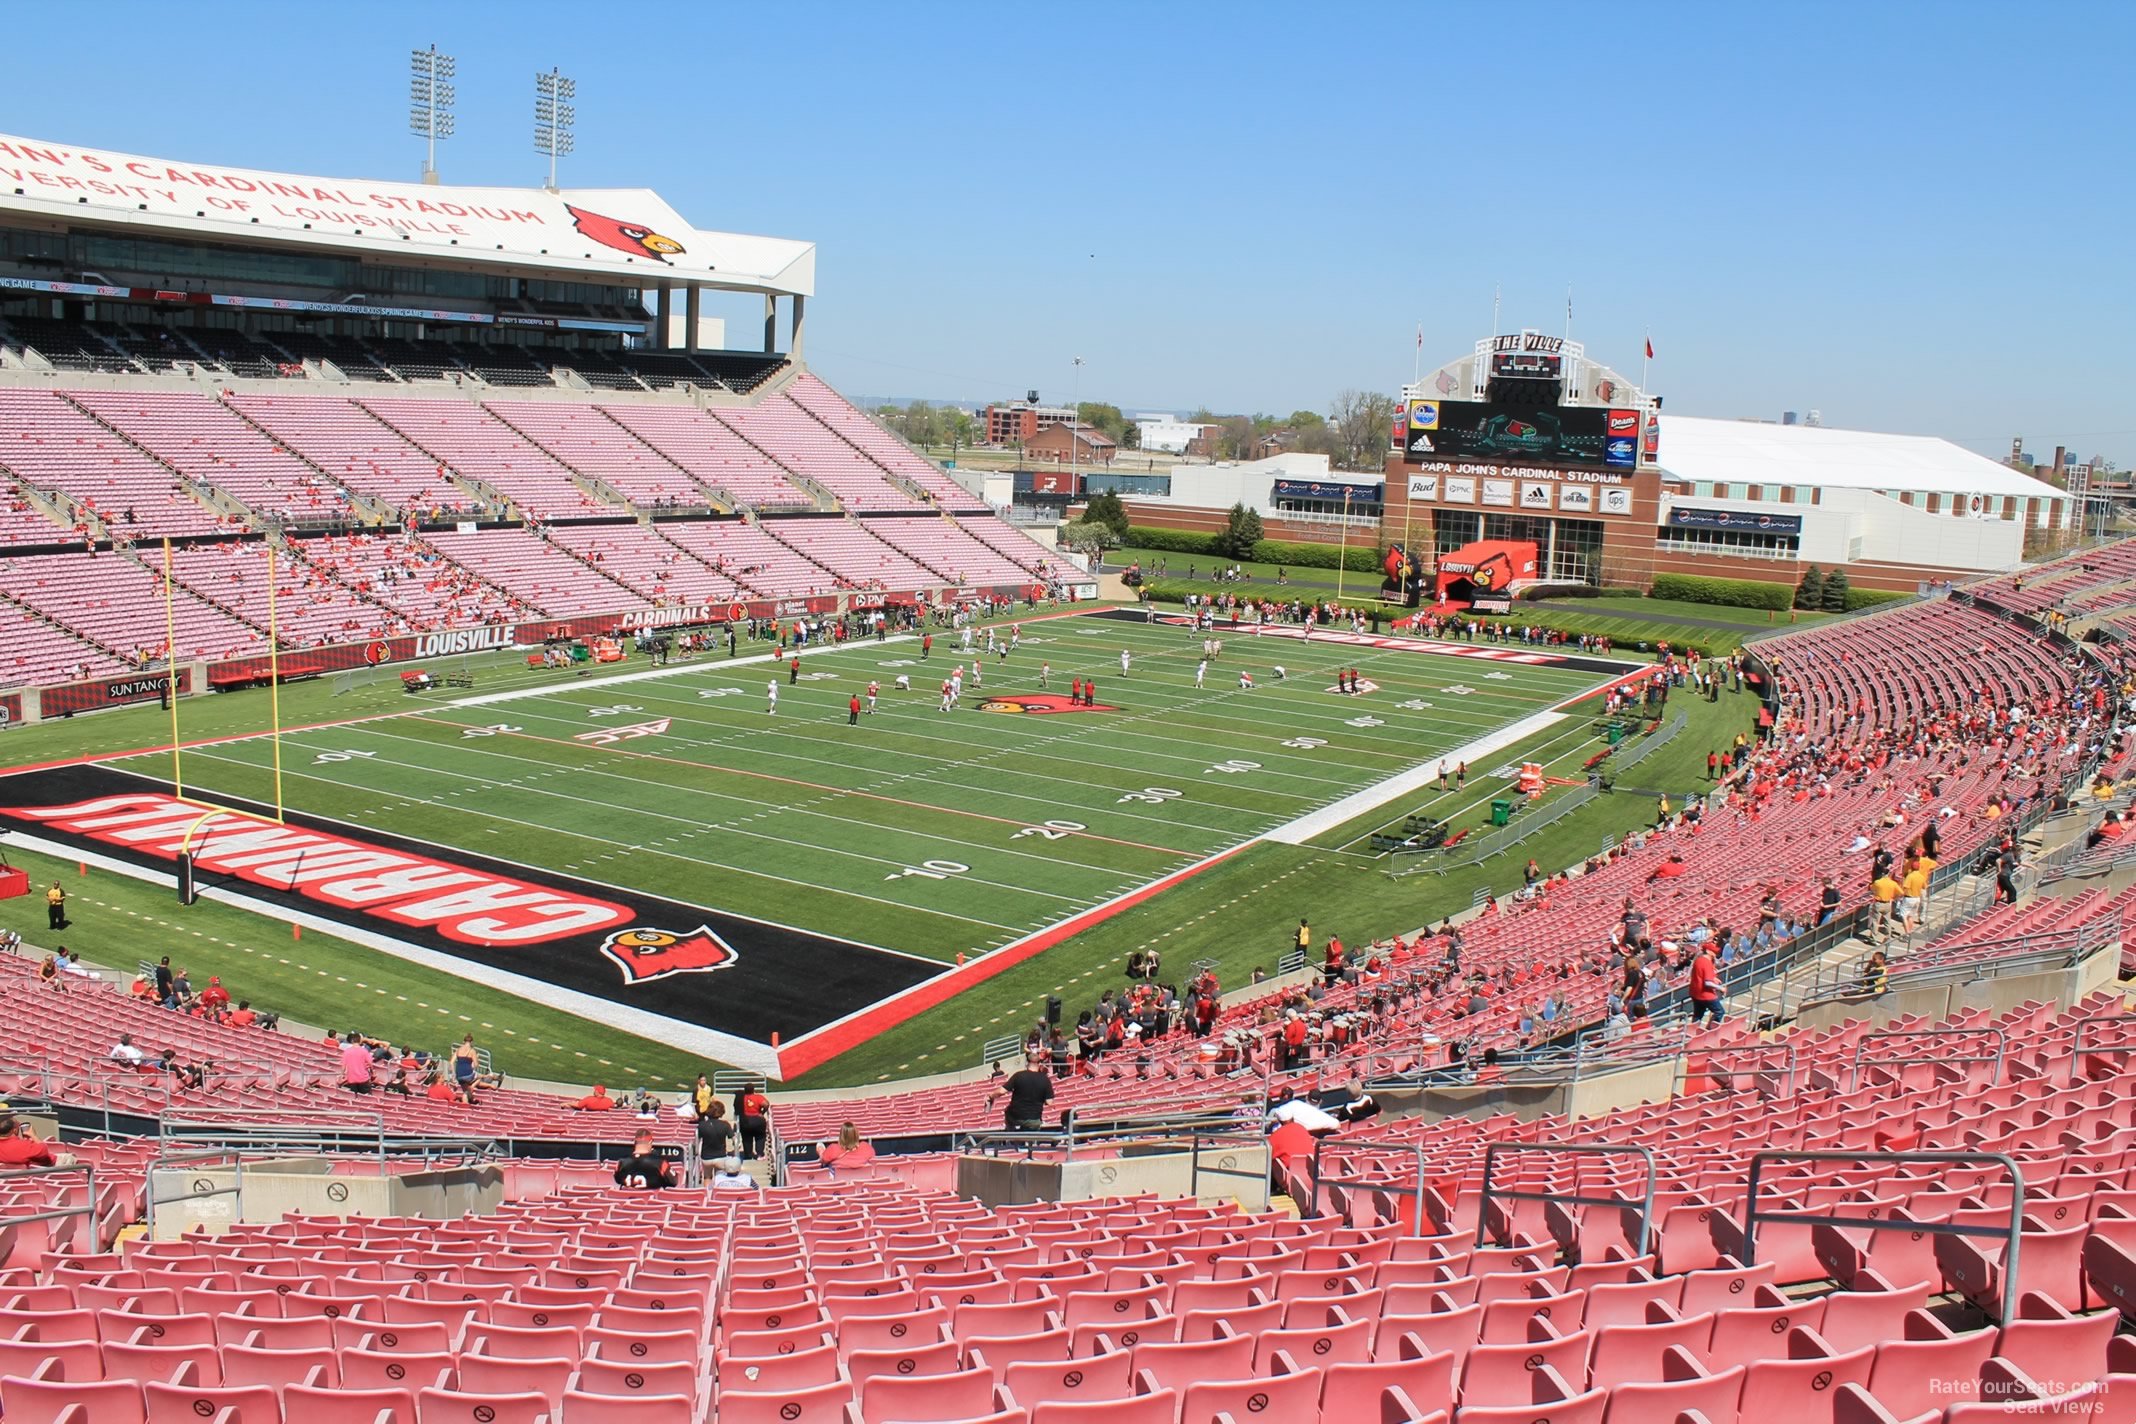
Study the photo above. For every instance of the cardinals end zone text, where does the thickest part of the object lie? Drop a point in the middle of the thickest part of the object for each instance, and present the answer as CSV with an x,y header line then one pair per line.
x,y
696,964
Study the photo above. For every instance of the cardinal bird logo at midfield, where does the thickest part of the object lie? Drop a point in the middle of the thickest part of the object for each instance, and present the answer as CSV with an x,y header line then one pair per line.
x,y
634,238
648,954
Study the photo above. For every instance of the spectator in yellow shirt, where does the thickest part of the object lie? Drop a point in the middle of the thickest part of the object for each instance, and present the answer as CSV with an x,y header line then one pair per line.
x,y
1884,892
1913,890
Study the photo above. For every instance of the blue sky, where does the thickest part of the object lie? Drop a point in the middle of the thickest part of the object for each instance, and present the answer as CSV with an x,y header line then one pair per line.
x,y
1911,217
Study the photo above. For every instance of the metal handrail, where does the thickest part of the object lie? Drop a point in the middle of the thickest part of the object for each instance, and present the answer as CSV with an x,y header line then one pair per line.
x,y
1932,1036
1752,1216
2079,1048
1197,1137
203,1188
1320,1179
87,1208
1683,1070
1494,1150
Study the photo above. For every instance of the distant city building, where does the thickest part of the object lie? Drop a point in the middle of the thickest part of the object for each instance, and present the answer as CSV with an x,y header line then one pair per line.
x,y
1021,420
1092,447
1169,434
1788,417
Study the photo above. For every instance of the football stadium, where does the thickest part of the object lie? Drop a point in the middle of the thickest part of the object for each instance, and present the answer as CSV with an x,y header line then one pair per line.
x,y
584,879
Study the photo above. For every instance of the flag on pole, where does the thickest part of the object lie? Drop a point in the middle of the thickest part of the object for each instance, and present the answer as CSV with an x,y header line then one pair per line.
x,y
1650,348
1420,336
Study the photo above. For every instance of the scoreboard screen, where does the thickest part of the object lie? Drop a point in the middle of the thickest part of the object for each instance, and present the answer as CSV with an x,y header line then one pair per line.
x,y
1527,365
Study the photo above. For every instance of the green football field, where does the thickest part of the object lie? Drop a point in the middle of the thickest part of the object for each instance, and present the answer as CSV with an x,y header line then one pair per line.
x,y
852,860
929,833
1046,831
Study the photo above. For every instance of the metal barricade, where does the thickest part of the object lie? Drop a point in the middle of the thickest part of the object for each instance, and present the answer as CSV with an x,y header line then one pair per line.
x,y
1495,1150
1198,1138
87,1208
2010,1234
2123,1024
1785,1051
1414,1153
1929,1037
202,1188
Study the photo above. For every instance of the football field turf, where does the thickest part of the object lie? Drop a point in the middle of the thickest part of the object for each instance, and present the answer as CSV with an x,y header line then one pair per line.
x,y
832,868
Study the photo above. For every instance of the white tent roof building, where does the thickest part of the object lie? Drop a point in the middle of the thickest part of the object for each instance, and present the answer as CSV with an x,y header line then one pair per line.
x,y
1860,496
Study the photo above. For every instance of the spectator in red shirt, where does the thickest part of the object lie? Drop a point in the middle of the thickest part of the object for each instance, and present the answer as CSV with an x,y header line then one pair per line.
x,y
243,1016
356,1065
596,1101
215,998
849,1149
19,1149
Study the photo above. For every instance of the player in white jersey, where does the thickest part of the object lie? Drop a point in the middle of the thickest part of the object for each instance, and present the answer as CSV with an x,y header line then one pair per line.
x,y
978,675
1124,661
1045,674
1201,670
771,699
873,692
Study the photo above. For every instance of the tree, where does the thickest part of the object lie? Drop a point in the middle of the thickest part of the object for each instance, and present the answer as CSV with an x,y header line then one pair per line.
x,y
1317,438
1237,440
1835,591
1105,508
960,430
1362,421
1810,592
1242,530
1085,535
1131,437
1105,419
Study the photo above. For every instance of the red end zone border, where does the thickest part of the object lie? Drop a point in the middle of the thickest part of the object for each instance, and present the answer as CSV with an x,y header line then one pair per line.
x,y
820,1046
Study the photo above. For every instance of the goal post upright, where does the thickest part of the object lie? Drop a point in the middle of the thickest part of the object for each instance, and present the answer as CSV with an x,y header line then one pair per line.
x,y
274,683
170,655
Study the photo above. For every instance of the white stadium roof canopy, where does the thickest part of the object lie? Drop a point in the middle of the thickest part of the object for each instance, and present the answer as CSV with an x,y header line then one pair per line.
x,y
1755,452
627,236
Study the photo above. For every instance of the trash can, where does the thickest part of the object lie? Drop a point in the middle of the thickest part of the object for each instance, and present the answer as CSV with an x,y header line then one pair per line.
x,y
1616,733
1501,812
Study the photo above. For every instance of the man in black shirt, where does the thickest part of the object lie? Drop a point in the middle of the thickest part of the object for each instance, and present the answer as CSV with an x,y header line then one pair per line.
x,y
715,1135
1828,904
644,1167
1029,1091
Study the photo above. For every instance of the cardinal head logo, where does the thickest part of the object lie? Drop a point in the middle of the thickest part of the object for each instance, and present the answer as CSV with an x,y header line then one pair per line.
x,y
634,238
648,954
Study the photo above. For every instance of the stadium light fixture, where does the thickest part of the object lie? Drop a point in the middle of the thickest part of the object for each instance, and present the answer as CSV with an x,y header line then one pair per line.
x,y
430,99
554,117
1075,415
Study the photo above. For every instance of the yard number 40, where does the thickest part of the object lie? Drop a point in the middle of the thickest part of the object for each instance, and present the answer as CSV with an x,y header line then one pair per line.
x,y
932,870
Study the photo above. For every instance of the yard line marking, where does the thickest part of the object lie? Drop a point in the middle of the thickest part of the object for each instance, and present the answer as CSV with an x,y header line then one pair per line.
x,y
796,781
697,861
622,847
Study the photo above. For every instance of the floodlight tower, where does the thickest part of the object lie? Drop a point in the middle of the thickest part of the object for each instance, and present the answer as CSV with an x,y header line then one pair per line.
x,y
430,97
553,118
